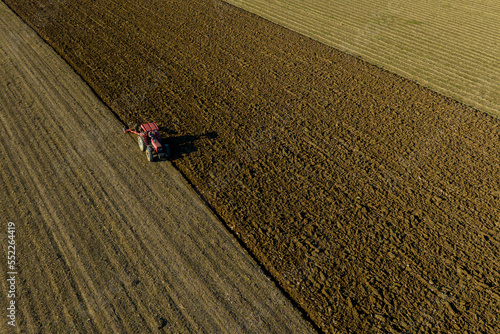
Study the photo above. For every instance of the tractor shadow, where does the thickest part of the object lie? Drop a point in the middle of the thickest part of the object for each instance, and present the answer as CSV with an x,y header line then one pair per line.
x,y
184,144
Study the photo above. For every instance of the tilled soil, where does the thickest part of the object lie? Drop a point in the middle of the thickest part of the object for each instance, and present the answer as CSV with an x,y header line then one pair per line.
x,y
372,200
104,241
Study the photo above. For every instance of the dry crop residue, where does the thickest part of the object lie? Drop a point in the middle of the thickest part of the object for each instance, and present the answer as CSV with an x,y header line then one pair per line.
x,y
449,46
372,200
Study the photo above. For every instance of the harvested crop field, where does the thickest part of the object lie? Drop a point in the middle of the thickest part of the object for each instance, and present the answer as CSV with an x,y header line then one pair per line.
x,y
372,200
450,46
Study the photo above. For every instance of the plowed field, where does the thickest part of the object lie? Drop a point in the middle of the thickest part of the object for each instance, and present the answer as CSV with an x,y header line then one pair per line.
x,y
372,200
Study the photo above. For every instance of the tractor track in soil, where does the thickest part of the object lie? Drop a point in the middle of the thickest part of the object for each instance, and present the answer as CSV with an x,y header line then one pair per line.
x,y
107,242
373,201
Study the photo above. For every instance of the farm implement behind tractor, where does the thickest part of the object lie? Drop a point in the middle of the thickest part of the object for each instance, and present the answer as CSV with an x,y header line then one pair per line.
x,y
149,140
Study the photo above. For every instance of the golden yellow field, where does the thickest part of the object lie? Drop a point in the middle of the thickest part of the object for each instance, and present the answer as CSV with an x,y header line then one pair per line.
x,y
452,47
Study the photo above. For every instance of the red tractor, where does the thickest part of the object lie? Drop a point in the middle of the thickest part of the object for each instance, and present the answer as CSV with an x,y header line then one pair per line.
x,y
150,141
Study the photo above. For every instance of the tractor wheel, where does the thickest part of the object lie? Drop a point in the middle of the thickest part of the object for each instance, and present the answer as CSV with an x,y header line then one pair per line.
x,y
142,146
149,155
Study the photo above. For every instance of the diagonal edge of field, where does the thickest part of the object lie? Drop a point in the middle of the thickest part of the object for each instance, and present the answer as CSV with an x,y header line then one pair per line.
x,y
434,46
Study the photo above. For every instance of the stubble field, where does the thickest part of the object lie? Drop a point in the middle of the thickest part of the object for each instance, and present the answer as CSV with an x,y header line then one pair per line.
x,y
449,46
372,200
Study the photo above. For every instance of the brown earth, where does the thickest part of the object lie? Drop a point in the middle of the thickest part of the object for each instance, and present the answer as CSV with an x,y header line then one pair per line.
x,y
106,242
372,200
